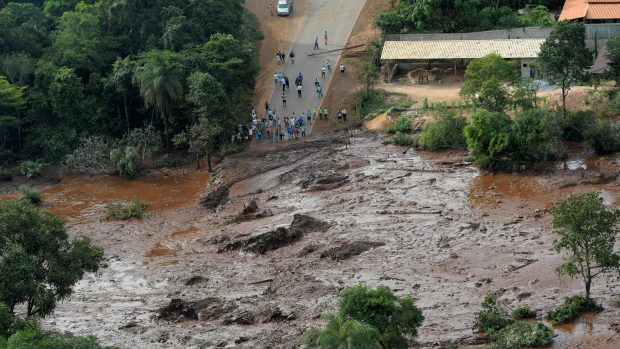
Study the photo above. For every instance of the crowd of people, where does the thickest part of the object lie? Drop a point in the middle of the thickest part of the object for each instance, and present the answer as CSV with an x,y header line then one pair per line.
x,y
273,126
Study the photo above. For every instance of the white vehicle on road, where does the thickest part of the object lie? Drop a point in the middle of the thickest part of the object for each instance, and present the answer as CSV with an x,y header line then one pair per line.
x,y
283,9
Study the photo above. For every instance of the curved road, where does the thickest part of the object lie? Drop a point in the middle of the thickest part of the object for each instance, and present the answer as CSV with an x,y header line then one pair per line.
x,y
337,17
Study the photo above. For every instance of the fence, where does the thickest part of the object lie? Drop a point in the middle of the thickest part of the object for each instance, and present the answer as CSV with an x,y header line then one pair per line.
x,y
516,33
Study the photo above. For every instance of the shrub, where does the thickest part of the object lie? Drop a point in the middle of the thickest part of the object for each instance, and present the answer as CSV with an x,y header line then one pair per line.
x,y
126,160
492,317
6,321
29,195
572,308
446,132
5,174
117,211
524,313
402,124
396,319
604,137
577,124
404,139
29,169
487,137
535,135
91,156
523,334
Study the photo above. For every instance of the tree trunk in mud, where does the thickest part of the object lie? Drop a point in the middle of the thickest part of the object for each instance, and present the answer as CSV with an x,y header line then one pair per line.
x,y
197,162
209,161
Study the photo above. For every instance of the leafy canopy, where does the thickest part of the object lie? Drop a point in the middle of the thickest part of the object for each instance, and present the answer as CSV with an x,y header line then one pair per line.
x,y
38,263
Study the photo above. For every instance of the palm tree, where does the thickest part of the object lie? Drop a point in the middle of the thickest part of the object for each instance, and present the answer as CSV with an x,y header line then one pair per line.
x,y
340,333
160,84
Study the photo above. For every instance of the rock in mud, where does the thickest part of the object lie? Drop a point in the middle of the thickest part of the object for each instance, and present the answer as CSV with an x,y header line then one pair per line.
x,y
243,317
250,207
195,280
308,249
350,249
328,182
306,224
218,239
275,313
216,197
261,243
212,308
176,310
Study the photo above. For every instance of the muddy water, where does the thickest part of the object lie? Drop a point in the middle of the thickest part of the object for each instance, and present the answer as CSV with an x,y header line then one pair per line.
x,y
74,195
520,189
169,246
579,330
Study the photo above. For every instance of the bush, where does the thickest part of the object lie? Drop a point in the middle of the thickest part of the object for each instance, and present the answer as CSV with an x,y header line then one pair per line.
x,y
604,137
572,308
446,132
523,334
6,321
397,319
402,124
117,211
91,156
577,124
487,137
5,174
404,139
126,160
524,313
29,169
535,135
492,317
29,195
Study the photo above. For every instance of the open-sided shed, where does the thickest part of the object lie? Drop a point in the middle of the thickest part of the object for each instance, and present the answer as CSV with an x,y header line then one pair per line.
x,y
522,50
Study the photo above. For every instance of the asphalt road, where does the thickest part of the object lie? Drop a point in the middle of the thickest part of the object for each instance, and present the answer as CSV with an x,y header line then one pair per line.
x,y
337,17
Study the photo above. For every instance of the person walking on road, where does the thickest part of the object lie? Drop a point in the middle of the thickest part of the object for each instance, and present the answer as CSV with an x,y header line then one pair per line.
x,y
299,91
316,43
286,82
323,72
325,35
319,91
284,99
283,81
275,79
292,56
291,4
329,66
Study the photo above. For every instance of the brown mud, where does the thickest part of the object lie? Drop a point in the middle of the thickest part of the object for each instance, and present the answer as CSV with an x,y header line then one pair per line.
x,y
410,221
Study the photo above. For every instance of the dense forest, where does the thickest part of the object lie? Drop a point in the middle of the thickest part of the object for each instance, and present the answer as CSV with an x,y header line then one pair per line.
x,y
451,16
92,72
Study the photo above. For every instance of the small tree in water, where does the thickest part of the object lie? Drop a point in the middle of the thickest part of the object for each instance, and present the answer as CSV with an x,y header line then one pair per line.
x,y
586,232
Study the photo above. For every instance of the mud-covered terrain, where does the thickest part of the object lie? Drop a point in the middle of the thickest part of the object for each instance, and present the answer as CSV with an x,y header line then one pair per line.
x,y
277,234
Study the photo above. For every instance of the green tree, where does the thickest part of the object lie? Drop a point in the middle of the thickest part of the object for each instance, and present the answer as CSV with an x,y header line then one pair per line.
x,y
488,138
18,67
340,333
121,80
33,337
38,263
613,52
200,139
396,319
535,135
66,94
564,56
11,102
23,29
159,77
587,233
207,99
445,132
488,79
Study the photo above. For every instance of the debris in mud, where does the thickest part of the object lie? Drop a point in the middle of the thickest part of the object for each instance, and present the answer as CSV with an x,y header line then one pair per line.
x,y
133,328
328,182
350,249
261,243
176,310
207,309
294,284
274,239
195,280
568,179
308,249
216,197
250,207
218,239
243,317
306,224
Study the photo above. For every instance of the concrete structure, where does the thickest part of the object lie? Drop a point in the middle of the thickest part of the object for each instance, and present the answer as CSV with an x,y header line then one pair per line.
x,y
524,51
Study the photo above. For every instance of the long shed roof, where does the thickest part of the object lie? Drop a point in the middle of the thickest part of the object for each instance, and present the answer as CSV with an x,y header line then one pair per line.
x,y
460,49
